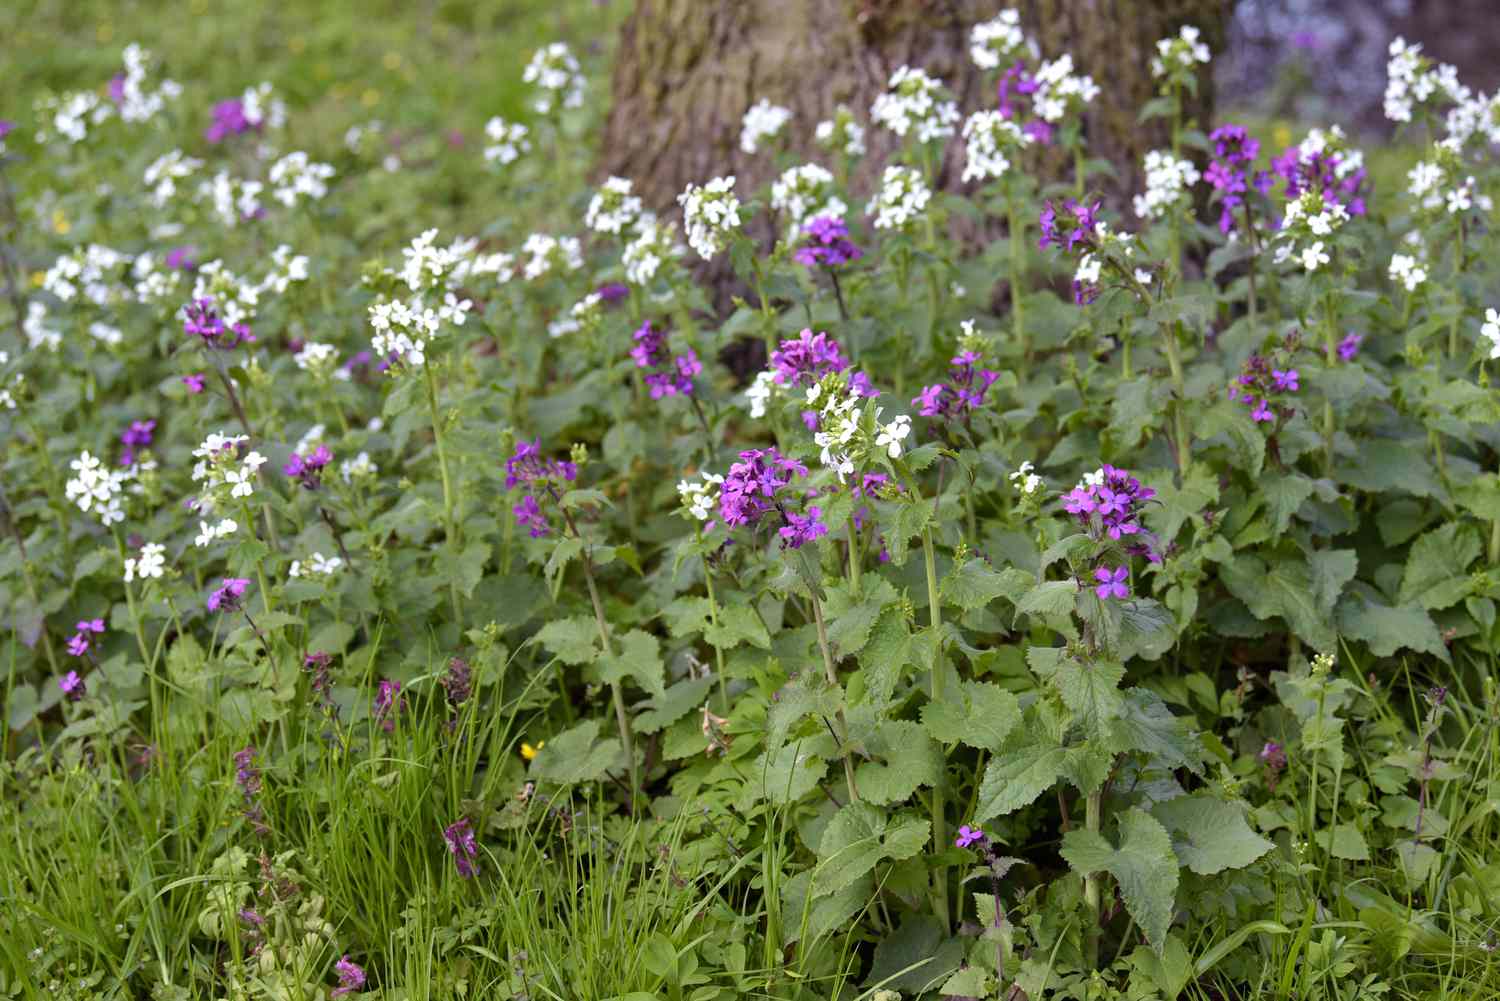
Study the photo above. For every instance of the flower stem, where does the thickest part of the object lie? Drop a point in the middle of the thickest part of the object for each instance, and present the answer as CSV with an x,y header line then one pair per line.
x,y
935,693
450,530
854,558
1170,335
1458,270
1091,821
135,616
713,616
833,679
1017,273
616,693
1330,353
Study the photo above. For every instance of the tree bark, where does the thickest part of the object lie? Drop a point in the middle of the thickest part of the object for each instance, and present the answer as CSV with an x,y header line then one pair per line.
x,y
687,70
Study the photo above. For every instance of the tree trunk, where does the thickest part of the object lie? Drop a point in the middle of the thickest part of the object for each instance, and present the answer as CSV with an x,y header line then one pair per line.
x,y
687,70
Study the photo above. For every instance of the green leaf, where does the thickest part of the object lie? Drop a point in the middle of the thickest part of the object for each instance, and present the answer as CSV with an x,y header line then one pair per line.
x,y
468,569
1330,569
738,624
858,838
1436,567
1345,842
676,702
910,760
1210,834
1388,629
570,640
1053,597
1283,587
1132,411
788,773
885,656
1091,690
973,584
915,957
577,755
639,657
1016,778
1387,465
1143,865
1149,727
979,714
1284,495
809,694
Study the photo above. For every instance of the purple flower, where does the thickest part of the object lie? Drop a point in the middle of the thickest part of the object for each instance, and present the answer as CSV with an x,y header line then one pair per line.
x,y
526,465
351,977
1017,80
827,243
246,775
802,528
1321,172
1273,756
308,469
229,120
180,259
1234,150
612,292
387,704
1261,384
1077,225
117,89
1349,346
962,394
458,682
6,127
1109,503
750,487
72,685
138,434
464,848
78,645
200,318
670,376
969,835
530,517
193,382
807,359
1112,583
228,594
1285,380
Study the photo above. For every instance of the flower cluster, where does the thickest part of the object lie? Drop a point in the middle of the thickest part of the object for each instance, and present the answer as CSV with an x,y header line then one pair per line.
x,y
1324,161
387,704
668,375
201,319
238,299
990,140
805,360
806,191
462,846
916,103
1168,180
613,209
295,177
763,121
97,489
149,564
555,73
1108,502
1490,329
227,596
78,644
1229,173
403,330
351,977
527,467
1178,58
1413,80
655,243
307,469
1061,93
1076,226
163,174
253,111
700,498
72,115
225,476
753,486
1309,221
546,253
962,394
247,777
137,435
710,214
1441,184
507,141
1265,382
997,40
901,199
826,242
841,133
1407,270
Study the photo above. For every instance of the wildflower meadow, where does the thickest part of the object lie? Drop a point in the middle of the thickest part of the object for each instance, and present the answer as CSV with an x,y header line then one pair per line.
x,y
431,571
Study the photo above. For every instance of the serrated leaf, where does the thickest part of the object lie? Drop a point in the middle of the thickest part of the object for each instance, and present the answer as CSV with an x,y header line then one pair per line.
x,y
1053,597
1437,566
1330,570
637,656
1284,495
1210,835
577,755
809,694
909,760
1344,842
738,624
1149,727
885,655
788,773
570,640
686,616
1143,865
1283,588
676,702
979,714
1386,629
973,584
1091,691
1015,778
857,839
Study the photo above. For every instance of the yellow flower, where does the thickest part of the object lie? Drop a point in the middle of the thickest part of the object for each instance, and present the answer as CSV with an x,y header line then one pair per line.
x,y
1283,136
60,223
528,752
37,277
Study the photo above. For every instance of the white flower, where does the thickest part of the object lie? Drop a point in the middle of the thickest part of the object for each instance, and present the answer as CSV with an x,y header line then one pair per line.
x,y
238,300
548,252
1406,269
316,357
1460,199
841,133
892,435
207,533
403,329
915,103
148,564
709,214
763,121
555,73
1060,91
613,209
988,137
655,242
508,140
96,489
1167,182
1314,256
996,41
286,268
1491,329
106,334
902,198
234,199
1089,269
358,467
805,192
701,497
164,173
319,564
760,392
294,176
1175,57
1025,480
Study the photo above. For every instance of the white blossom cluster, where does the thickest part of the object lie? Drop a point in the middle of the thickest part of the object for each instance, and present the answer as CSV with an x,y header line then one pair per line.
x,y
317,565
916,103
1440,183
1026,481
1474,115
545,252
758,395
1178,57
655,243
1413,80
237,299
321,361
164,173
209,534
226,475
263,110
806,192
845,438
295,176
1060,91
358,468
1408,271
700,498
1114,248
988,137
710,213
96,489
555,74
92,272
105,334
1491,331
135,102
1168,180
614,208
403,329
71,116
233,199
901,200
997,40
763,121
841,133
584,314
1308,221
148,564
507,141
11,384
286,270
39,336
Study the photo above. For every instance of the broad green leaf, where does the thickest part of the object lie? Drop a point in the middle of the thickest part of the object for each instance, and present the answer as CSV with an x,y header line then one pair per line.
x,y
1283,587
1092,691
738,624
1330,569
1149,727
1284,495
789,772
1053,597
916,957
857,838
973,584
1015,778
979,713
809,694
577,755
1210,835
1345,842
1143,865
1388,629
909,760
885,655
637,657
1437,566
572,640
676,702
1387,465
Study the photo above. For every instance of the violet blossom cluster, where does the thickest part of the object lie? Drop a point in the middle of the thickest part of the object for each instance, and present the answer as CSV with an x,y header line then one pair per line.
x,y
307,469
201,319
463,847
962,394
1265,382
247,777
226,597
669,374
78,644
137,435
805,360
1108,502
527,467
1076,226
758,485
1230,174
387,704
1322,163
826,242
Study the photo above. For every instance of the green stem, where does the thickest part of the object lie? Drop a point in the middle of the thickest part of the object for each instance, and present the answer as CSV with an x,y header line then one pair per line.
x,y
1017,274
450,530
854,559
1494,552
135,617
1458,270
616,693
1330,355
935,693
713,616
1170,336
1091,821
833,679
